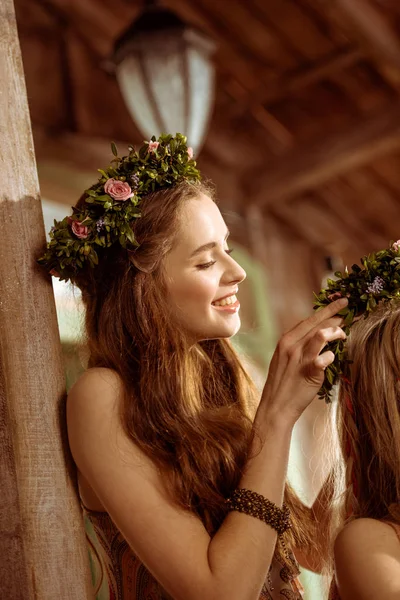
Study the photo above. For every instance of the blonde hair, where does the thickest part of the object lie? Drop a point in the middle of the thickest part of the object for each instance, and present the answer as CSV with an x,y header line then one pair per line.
x,y
367,475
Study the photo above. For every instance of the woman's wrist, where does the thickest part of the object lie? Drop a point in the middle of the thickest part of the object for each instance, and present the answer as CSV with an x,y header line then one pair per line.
x,y
271,415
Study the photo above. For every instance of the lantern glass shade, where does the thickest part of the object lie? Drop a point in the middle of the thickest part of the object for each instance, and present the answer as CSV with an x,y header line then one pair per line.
x,y
167,80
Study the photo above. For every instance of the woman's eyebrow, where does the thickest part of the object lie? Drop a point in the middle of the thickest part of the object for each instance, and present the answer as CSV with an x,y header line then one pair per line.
x,y
208,246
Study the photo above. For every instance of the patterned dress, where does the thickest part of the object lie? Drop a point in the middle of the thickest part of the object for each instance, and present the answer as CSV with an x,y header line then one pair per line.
x,y
119,575
334,593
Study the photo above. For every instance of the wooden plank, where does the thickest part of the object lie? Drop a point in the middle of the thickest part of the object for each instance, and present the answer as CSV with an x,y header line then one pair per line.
x,y
43,554
43,62
296,28
323,69
256,103
375,203
232,55
306,168
365,87
360,21
387,169
373,27
341,201
98,24
259,39
33,17
316,224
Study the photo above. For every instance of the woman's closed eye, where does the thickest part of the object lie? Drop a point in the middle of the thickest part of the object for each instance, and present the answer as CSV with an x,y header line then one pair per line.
x,y
209,264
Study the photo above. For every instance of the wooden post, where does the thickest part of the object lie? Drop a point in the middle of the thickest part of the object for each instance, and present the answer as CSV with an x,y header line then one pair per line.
x,y
43,554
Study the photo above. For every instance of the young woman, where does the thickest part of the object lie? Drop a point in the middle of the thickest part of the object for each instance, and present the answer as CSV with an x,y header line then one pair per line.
x,y
367,548
181,468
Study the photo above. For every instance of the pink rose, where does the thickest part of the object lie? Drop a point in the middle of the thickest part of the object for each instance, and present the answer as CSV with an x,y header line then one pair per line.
x,y
190,152
153,146
119,190
81,231
54,273
396,246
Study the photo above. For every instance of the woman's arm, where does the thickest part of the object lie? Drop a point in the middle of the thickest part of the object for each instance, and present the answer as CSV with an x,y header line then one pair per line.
x,y
172,542
367,561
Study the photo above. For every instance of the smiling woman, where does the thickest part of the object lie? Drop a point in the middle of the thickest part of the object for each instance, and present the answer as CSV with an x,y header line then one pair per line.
x,y
202,278
181,467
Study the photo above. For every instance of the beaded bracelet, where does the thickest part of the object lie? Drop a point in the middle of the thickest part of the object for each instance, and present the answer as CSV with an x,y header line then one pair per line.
x,y
255,505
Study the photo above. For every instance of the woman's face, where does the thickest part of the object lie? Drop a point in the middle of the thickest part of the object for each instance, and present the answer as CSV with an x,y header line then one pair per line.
x,y
202,278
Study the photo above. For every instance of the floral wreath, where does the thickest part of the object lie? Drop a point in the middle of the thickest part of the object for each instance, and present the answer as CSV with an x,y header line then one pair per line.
x,y
377,281
111,205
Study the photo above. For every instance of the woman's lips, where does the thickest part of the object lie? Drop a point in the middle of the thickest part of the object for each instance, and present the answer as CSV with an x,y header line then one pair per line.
x,y
229,308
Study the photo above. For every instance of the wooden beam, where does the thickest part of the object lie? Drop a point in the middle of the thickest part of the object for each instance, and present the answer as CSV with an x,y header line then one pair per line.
x,y
235,55
43,553
319,71
315,225
98,24
308,167
245,103
374,28
363,22
339,200
255,102
331,223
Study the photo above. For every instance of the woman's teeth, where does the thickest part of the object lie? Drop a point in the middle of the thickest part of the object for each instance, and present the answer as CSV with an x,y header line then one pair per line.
x,y
225,301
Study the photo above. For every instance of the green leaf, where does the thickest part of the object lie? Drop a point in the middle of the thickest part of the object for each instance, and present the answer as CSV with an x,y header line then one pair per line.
x,y
114,149
349,318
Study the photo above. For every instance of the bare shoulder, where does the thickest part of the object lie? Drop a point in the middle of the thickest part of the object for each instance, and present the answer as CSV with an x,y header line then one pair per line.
x,y
96,394
93,411
366,531
367,560
101,383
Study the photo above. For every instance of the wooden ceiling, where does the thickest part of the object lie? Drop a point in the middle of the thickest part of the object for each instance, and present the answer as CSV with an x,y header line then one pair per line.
x,y
306,125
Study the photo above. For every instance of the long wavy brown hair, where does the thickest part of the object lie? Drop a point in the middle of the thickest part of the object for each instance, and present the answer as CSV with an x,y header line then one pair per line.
x,y
188,408
367,477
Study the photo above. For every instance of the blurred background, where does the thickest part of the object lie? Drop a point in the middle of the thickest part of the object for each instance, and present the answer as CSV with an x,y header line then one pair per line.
x,y
293,110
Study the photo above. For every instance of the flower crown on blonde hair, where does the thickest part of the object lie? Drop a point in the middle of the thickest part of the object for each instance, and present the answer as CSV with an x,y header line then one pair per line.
x,y
377,281
108,208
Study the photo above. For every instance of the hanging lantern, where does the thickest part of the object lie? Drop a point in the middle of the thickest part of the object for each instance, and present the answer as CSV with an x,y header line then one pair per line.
x,y
166,76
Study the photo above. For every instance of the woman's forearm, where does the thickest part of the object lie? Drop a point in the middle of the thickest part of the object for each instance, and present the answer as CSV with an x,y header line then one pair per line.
x,y
241,552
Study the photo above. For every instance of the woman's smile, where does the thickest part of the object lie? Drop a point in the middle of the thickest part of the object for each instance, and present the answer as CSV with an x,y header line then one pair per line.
x,y
229,304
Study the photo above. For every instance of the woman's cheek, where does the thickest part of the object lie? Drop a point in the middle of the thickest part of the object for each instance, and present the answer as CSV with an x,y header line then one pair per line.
x,y
207,288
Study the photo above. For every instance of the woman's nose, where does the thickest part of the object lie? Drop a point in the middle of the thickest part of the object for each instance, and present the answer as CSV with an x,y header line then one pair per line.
x,y
236,274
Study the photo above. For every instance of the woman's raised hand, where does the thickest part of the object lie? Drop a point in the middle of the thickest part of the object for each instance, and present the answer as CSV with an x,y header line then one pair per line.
x,y
297,368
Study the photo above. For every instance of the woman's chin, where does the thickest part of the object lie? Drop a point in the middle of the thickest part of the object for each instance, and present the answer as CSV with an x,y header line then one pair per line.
x,y
216,331
227,331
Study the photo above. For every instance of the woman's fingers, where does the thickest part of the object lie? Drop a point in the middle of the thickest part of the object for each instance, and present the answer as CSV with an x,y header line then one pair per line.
x,y
320,338
333,322
294,352
324,360
285,348
314,362
303,328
